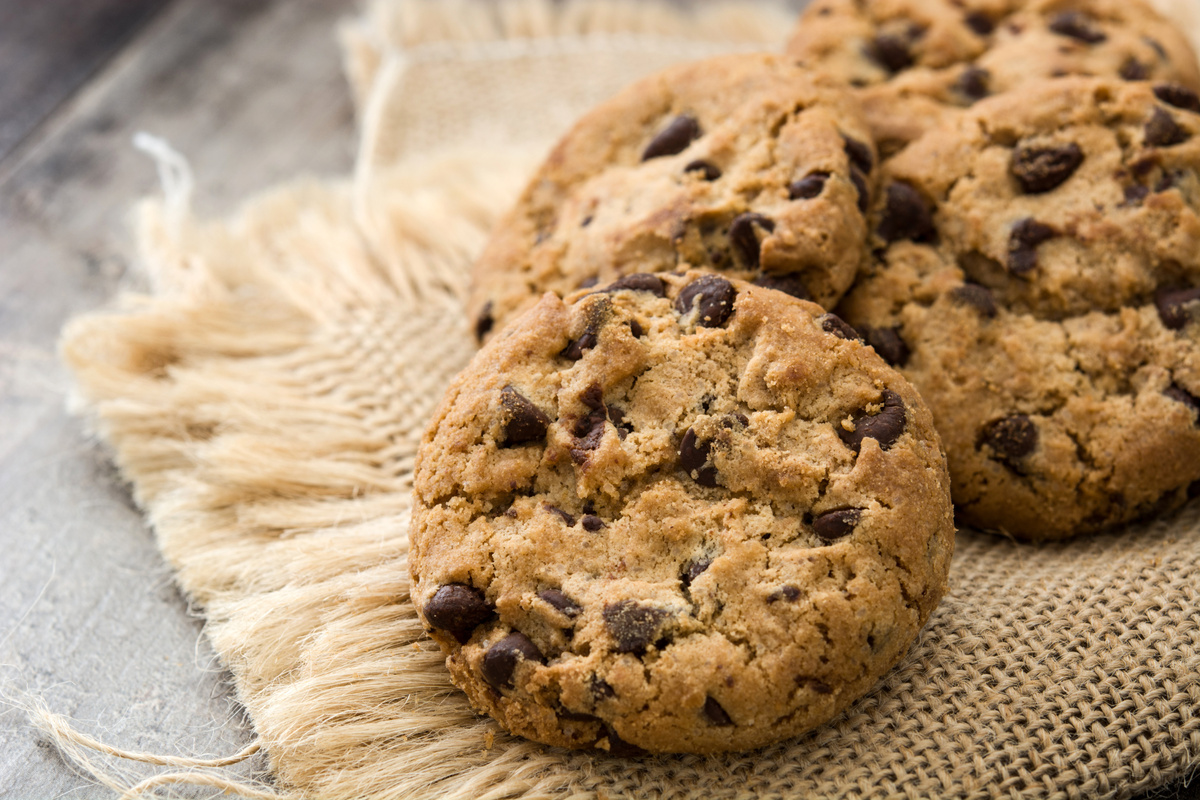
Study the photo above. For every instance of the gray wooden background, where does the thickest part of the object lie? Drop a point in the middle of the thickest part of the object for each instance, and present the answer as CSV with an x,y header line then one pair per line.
x,y
251,92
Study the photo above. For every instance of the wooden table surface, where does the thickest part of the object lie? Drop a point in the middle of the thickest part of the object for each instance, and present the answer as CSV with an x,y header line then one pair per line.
x,y
90,620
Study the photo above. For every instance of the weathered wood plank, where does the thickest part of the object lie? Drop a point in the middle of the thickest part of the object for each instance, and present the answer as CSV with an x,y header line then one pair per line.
x,y
251,92
49,48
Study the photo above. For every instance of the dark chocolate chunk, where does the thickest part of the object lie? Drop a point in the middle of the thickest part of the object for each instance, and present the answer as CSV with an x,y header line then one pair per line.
x,y
1178,96
980,23
978,297
786,592
693,455
600,689
1041,168
716,715
577,347
1010,438
567,518
744,237
791,283
635,329
888,343
886,427
593,396
712,295
634,626
521,421
859,153
808,187
560,602
731,421
457,609
1181,395
501,659
591,523
832,323
484,322
974,83
833,525
694,569
1134,70
638,282
1173,306
1163,131
860,185
906,215
1023,242
617,416
1135,194
707,170
589,433
1167,181
674,138
1077,25
817,685
890,52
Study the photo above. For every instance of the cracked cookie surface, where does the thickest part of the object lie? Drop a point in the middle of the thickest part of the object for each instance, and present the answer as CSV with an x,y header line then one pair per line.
x,y
1038,280
679,513
917,62
740,164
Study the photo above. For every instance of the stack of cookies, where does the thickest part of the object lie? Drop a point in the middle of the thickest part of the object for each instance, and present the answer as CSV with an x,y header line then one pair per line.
x,y
761,326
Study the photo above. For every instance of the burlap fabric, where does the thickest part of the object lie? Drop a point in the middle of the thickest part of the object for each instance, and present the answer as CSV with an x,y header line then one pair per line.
x,y
265,401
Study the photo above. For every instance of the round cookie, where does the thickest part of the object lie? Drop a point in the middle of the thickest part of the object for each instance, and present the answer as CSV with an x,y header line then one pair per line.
x,y
740,164
1038,280
918,61
680,513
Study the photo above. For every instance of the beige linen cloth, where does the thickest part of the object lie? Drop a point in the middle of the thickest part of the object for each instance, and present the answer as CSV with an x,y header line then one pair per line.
x,y
266,397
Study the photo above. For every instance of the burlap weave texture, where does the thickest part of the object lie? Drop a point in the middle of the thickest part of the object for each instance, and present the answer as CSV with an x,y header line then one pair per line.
x,y
266,400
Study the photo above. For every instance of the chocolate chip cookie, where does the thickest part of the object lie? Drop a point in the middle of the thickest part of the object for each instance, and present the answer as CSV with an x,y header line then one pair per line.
x,y
1038,280
680,513
917,61
740,164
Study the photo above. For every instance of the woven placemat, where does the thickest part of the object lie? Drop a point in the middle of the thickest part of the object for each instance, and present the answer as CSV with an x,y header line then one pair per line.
x,y
265,401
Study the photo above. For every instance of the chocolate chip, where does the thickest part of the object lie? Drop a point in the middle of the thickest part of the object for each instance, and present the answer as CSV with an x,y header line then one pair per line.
x,y
589,433
1040,169
633,625
744,237
693,455
808,187
1135,194
1134,70
1010,438
791,283
978,297
560,602
832,323
888,343
707,170
1163,131
1181,395
577,347
817,685
638,282
859,153
593,396
501,659
731,421
1167,181
974,82
833,525
1023,242
1178,96
635,329
1077,25
588,283
567,518
712,295
860,185
693,570
484,322
457,609
1173,307
617,416
980,23
886,427
591,523
716,715
674,138
890,52
521,421
785,592
906,215
600,689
